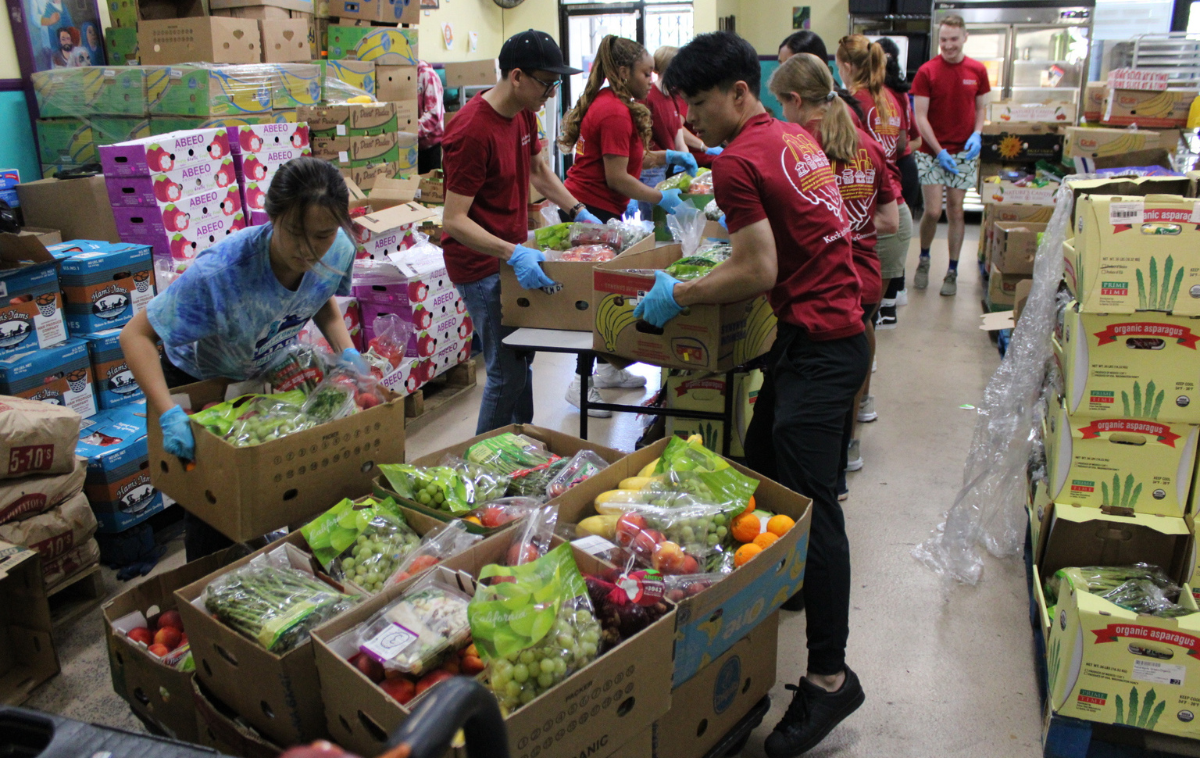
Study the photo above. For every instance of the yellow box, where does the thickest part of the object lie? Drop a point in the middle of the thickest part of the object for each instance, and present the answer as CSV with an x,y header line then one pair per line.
x,y
1136,254
1122,462
296,84
700,391
1144,365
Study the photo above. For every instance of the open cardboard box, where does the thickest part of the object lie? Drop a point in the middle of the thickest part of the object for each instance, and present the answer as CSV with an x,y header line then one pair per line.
x,y
592,712
708,623
1002,288
245,492
1015,245
36,320
27,656
78,208
1021,142
995,213
702,337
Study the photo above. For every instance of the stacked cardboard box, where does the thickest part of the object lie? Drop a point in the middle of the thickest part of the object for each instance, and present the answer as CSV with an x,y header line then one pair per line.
x,y
699,391
258,151
118,470
32,317
364,140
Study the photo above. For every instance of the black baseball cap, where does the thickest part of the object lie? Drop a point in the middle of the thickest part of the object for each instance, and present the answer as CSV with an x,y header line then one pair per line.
x,y
534,51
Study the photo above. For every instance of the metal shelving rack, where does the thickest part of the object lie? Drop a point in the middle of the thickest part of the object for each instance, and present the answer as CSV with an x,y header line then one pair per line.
x,y
1176,54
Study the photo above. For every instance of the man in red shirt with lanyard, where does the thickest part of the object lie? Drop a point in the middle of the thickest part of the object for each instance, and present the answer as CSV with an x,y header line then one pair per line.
x,y
491,152
791,239
948,106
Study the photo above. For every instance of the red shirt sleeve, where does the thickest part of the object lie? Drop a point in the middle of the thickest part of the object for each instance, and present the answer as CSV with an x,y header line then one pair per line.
x,y
985,81
465,160
737,192
921,83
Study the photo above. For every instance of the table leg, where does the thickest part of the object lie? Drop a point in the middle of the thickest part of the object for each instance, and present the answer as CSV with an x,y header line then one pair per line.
x,y
583,366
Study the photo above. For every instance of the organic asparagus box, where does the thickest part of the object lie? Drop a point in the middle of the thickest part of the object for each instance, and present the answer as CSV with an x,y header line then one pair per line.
x,y
1076,535
245,492
711,337
1136,254
1120,462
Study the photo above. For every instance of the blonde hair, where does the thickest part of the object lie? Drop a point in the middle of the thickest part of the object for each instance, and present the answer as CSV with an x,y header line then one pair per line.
x,y
955,21
808,77
613,53
663,57
870,70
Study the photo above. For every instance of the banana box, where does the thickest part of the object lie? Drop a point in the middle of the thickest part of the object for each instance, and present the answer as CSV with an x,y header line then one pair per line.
x,y
348,119
1136,254
383,46
31,315
704,337
122,91
206,91
296,84
1120,366
115,385
406,144
1139,464
699,391
1085,142
65,140
1147,109
61,375
122,44
341,77
66,92
110,129
118,469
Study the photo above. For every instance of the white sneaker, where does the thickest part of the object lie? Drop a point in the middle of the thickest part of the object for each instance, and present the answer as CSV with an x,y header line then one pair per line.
x,y
874,365
866,410
854,461
593,397
610,377
902,297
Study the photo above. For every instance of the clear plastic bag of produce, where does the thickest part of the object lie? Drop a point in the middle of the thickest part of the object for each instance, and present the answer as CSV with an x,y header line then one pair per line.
x,y
300,366
632,231
482,484
582,466
686,459
276,607
687,228
254,419
386,350
554,237
709,255
533,625
626,601
596,234
683,182
456,486
701,184
362,542
343,392
684,536
712,212
530,465
583,254
496,513
412,633
1142,588
531,540
682,586
436,546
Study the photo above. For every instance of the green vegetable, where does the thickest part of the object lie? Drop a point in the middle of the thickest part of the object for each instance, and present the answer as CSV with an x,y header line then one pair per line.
x,y
556,237
509,453
363,542
444,487
254,419
1142,588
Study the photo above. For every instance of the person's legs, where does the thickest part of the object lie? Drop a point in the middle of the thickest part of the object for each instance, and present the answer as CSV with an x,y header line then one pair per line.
x,y
508,394
954,238
893,252
760,442
933,212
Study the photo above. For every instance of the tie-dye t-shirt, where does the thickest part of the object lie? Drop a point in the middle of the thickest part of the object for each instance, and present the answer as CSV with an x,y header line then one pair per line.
x,y
228,314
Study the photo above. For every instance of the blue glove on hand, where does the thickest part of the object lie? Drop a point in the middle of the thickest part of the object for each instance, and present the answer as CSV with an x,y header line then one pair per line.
x,y
971,149
177,434
356,361
714,150
670,200
721,221
585,217
659,306
632,208
947,162
524,261
680,159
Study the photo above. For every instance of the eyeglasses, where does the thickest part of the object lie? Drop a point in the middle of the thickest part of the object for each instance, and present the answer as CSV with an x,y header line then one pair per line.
x,y
550,87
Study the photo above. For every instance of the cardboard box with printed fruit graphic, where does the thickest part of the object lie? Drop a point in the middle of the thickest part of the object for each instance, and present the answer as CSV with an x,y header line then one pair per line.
x,y
61,375
170,187
1147,109
1129,366
1134,254
380,45
176,235
1052,113
297,84
164,152
1117,462
209,91
995,213
115,384
31,314
1082,142
1006,142
699,391
702,337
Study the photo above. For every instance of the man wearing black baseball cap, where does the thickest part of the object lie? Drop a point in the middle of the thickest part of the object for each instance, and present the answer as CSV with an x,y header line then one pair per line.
x,y
491,153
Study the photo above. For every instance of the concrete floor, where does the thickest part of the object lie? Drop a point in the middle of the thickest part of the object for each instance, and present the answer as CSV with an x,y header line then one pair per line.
x,y
945,673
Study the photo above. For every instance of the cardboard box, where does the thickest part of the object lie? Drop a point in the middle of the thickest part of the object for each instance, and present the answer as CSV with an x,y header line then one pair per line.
x,y
364,173
482,73
285,40
118,478
698,391
169,188
249,491
1129,463
1141,79
1015,245
343,150
262,140
1117,366
47,237
210,92
166,152
620,693
1002,111
432,189
1074,535
222,729
710,337
396,83
110,129
298,84
1093,101
348,119
27,656
708,706
1020,143
103,289
381,233
184,40
78,208
123,14
28,275
65,140
386,11
61,375
1134,253
709,623
1081,142
1149,110
115,385
297,6
341,75
385,46
1009,193
995,213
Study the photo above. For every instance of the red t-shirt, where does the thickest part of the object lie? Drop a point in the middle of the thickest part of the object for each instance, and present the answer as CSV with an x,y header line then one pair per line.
x,y
487,156
776,171
909,124
607,129
885,129
865,185
951,89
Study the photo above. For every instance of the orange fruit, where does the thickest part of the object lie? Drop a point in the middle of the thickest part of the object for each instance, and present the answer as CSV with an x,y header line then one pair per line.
x,y
765,540
474,520
746,527
779,525
745,553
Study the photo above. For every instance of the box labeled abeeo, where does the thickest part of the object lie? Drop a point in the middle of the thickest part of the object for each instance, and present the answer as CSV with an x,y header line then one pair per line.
x,y
165,152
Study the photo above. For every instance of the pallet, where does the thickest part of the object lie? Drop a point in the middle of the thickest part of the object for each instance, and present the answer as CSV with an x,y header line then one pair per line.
x,y
77,596
424,404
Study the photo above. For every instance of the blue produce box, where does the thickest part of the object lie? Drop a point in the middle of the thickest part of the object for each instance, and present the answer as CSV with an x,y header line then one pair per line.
x,y
105,288
118,468
61,375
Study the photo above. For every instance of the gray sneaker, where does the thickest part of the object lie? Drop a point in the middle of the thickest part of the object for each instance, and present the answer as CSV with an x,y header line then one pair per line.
x,y
866,410
921,280
950,284
854,460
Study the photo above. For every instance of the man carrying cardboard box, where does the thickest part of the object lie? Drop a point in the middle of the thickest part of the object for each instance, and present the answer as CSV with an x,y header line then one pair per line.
x,y
791,238
491,153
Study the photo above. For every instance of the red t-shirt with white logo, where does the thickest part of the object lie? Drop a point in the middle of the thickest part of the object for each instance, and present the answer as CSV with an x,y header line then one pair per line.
x,y
487,156
776,171
909,123
951,89
885,129
865,185
607,129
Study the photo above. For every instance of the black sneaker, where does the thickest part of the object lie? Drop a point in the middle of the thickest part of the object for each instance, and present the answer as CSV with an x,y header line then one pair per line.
x,y
812,715
886,317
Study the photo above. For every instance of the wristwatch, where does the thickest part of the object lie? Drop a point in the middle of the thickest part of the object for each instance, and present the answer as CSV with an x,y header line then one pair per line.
x,y
575,209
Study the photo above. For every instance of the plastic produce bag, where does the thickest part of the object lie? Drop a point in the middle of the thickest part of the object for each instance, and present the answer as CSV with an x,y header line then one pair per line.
x,y
411,634
496,513
712,212
1142,588
534,628
525,460
687,227
583,254
626,602
709,255
300,366
481,483
726,484
682,586
343,392
390,341
531,540
436,546
680,538
702,184
275,607
254,419
455,487
362,542
554,237
582,466
596,234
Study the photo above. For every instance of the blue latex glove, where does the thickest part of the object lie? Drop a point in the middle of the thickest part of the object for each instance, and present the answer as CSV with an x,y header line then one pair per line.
x,y
974,143
177,434
721,221
356,361
585,217
632,208
670,200
947,162
680,159
525,262
714,150
659,306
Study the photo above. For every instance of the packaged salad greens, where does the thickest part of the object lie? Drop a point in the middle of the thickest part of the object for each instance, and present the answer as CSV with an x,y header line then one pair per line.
x,y
554,237
530,466
362,542
412,634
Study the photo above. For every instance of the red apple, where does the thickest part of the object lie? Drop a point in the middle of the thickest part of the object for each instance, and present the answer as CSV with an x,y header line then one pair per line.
x,y
401,690
159,650
432,678
668,557
141,634
172,619
629,526
370,667
690,566
168,636
366,400
646,541
519,554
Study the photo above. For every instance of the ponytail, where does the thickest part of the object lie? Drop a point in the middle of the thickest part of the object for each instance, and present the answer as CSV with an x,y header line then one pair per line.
x,y
613,53
892,79
808,77
870,70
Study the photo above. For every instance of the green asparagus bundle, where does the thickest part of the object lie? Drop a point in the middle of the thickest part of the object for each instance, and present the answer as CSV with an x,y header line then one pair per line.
x,y
1142,588
530,466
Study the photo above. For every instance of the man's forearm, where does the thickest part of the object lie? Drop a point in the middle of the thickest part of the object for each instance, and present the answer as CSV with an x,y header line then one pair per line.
x,y
980,111
474,236
927,134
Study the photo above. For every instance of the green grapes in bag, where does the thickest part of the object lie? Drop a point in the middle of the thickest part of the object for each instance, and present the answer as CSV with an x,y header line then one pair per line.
x,y
441,487
556,237
362,541
691,459
534,625
254,419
